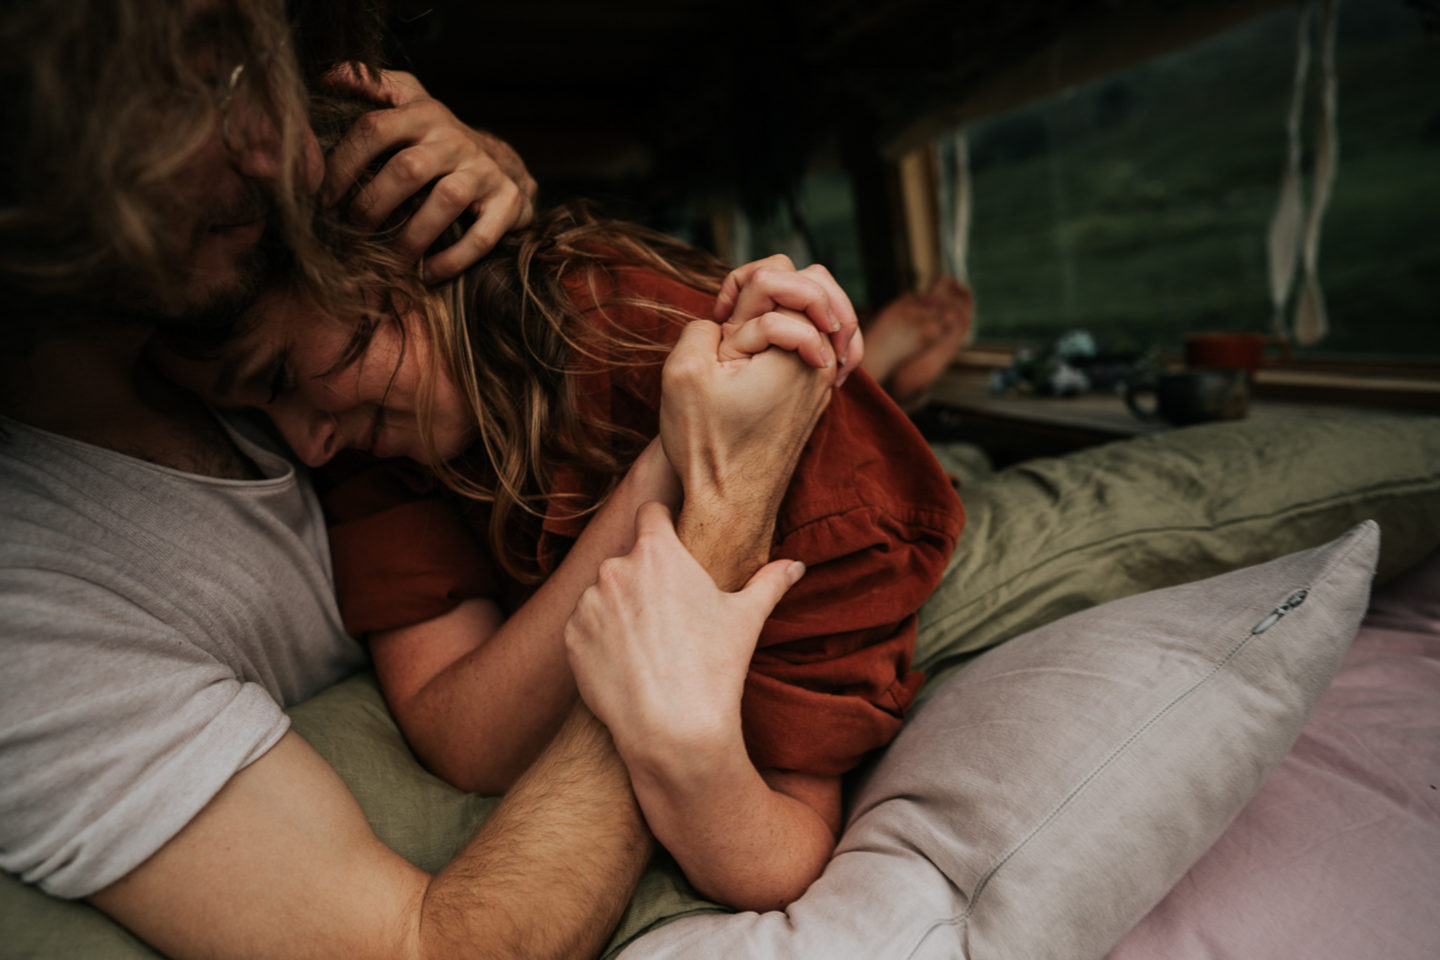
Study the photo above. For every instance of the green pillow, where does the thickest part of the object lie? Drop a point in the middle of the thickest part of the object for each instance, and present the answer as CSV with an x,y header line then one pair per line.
x,y
1048,537
426,820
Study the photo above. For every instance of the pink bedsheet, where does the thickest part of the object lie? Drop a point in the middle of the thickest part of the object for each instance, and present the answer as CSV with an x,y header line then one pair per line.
x,y
1338,855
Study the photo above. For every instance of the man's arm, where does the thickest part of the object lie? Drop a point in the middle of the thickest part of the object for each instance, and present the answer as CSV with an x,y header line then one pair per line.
x,y
734,431
282,863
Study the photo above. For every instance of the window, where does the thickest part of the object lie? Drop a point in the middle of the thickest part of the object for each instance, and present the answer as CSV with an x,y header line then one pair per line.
x,y
1138,206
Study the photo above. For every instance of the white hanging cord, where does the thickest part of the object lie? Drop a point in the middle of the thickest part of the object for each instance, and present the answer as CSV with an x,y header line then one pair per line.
x,y
1311,322
1289,216
960,218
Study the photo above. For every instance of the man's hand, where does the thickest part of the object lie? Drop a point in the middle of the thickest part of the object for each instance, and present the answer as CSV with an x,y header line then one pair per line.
x,y
660,653
767,288
734,430
472,171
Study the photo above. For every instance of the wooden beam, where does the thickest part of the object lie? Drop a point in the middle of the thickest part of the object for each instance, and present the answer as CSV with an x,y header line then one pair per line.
x,y
1083,51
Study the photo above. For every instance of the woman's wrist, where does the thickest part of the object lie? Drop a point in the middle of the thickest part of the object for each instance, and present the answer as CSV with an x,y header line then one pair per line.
x,y
651,477
685,760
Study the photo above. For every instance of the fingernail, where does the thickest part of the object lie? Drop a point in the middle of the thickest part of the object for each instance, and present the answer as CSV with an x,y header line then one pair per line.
x,y
795,571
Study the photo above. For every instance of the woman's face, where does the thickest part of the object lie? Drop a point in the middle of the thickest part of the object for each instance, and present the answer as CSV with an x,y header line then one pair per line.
x,y
285,368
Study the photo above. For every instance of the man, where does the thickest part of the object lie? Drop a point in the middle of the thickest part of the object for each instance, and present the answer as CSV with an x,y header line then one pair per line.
x,y
164,582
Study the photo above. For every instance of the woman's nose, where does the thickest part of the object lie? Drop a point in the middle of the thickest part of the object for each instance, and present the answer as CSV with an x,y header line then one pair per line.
x,y
313,434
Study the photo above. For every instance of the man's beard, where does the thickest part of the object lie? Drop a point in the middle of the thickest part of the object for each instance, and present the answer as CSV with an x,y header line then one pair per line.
x,y
208,304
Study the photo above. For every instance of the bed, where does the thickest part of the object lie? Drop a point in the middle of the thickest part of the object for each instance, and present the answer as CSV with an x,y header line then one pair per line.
x,y
1182,700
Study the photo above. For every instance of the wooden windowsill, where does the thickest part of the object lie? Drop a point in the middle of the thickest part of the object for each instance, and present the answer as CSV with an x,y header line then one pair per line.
x,y
1396,385
1018,426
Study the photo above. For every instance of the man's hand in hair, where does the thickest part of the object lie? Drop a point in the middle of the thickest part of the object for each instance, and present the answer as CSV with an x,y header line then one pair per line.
x,y
472,172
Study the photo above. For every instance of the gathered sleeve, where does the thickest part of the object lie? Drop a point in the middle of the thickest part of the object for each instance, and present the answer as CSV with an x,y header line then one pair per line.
x,y
875,519
402,552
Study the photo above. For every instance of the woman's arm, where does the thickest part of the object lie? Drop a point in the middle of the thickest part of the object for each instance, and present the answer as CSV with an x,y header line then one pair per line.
x,y
661,654
478,696
754,840
661,650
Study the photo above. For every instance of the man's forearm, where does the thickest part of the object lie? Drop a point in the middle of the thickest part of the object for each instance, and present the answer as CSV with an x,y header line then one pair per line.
x,y
730,543
553,867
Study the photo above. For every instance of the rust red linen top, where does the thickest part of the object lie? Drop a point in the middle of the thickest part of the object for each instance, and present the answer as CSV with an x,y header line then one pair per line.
x,y
869,511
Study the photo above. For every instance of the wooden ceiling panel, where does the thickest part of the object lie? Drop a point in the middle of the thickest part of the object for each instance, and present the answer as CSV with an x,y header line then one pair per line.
x,y
701,94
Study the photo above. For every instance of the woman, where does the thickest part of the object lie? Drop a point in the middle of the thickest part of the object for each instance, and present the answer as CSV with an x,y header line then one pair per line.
x,y
526,397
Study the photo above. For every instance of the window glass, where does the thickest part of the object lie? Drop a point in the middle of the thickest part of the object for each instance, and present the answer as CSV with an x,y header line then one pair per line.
x,y
1137,207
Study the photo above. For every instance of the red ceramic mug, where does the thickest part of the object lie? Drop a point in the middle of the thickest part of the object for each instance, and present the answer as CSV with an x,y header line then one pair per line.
x,y
1234,351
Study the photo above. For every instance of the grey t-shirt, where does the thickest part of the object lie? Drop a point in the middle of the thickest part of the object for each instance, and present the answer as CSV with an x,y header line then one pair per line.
x,y
154,625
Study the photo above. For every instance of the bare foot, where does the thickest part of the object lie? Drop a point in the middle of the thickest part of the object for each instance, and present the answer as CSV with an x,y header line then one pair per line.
x,y
905,328
952,302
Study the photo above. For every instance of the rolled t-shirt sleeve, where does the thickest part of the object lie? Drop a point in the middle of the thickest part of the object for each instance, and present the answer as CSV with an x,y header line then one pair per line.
x,y
96,777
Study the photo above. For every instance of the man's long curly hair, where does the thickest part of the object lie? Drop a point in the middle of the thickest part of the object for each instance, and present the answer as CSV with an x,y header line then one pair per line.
x,y
105,101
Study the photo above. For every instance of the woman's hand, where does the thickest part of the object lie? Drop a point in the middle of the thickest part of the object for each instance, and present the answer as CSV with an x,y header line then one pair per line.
x,y
660,653
473,172
781,328
772,290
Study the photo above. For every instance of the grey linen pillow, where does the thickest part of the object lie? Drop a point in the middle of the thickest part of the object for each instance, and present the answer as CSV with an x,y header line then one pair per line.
x,y
1054,789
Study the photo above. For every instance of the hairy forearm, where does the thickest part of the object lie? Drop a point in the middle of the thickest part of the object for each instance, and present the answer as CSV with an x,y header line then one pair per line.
x,y
730,543
480,719
553,867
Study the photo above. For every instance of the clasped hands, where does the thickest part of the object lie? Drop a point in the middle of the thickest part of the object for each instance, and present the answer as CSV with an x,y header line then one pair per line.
x,y
736,413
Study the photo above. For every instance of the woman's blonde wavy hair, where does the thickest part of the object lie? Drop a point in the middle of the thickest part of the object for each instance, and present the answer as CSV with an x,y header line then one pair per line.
x,y
509,334
512,337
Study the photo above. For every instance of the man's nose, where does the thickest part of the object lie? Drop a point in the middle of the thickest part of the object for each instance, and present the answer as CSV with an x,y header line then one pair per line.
x,y
313,434
257,149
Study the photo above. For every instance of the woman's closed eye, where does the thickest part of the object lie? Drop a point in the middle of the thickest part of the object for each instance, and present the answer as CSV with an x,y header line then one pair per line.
x,y
281,378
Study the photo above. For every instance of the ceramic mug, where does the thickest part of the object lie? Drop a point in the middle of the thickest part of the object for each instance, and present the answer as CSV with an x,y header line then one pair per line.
x,y
1234,351
1193,396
